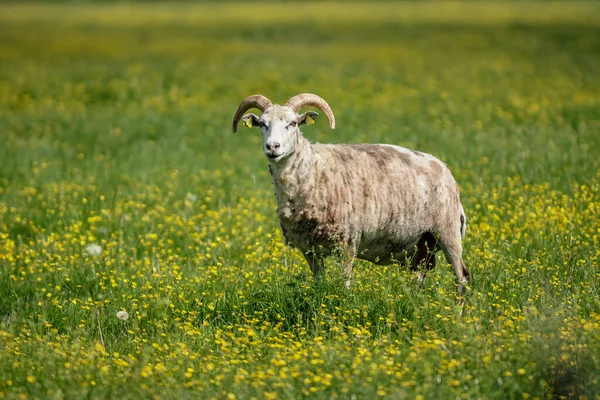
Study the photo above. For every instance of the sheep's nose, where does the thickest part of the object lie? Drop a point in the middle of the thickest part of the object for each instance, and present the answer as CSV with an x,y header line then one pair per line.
x,y
272,146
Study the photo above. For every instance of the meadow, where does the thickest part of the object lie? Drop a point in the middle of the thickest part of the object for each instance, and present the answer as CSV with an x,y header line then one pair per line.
x,y
122,188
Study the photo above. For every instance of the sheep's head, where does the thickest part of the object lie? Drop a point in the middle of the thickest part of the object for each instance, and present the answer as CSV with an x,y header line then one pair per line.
x,y
280,124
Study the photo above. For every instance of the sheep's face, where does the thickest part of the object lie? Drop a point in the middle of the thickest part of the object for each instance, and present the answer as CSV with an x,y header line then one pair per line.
x,y
280,129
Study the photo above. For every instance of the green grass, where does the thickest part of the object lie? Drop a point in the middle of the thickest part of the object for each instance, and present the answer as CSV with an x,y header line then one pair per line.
x,y
115,130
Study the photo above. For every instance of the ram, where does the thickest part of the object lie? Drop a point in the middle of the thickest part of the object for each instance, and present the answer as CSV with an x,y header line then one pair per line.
x,y
376,202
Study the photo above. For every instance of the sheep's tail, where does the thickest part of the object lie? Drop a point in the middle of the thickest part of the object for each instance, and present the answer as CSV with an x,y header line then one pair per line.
x,y
463,222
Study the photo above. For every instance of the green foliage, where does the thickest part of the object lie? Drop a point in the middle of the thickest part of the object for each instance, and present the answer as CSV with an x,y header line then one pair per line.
x,y
122,188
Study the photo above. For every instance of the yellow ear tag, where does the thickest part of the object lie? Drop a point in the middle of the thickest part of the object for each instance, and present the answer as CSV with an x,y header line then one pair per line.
x,y
248,123
309,120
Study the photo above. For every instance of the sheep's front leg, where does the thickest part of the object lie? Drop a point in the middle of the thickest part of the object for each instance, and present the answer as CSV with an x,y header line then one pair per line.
x,y
315,261
348,269
350,257
424,258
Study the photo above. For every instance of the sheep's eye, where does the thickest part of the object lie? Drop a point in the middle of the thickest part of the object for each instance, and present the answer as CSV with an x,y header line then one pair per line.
x,y
261,124
292,124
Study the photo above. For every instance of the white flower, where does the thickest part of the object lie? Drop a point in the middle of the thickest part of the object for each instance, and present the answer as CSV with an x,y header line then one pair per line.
x,y
93,250
191,197
123,315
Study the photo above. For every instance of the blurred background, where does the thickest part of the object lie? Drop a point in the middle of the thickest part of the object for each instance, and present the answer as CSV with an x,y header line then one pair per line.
x,y
154,85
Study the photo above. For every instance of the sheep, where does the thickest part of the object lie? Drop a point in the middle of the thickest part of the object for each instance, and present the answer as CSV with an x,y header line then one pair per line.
x,y
377,202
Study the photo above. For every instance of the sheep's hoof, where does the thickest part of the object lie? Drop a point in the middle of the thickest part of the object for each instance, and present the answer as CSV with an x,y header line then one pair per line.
x,y
461,290
347,284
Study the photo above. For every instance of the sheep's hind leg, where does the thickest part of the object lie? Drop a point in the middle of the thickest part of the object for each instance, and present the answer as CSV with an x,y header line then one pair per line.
x,y
452,248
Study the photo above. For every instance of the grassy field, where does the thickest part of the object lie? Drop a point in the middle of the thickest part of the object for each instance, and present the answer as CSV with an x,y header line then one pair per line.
x,y
122,188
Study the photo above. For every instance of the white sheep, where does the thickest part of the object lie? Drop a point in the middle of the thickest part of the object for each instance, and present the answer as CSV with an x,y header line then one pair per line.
x,y
377,202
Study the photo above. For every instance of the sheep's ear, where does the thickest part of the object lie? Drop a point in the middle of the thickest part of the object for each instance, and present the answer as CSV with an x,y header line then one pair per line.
x,y
308,118
250,120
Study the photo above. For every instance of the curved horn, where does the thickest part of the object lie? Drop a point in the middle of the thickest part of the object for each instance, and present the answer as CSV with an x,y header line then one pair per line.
x,y
309,99
255,101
